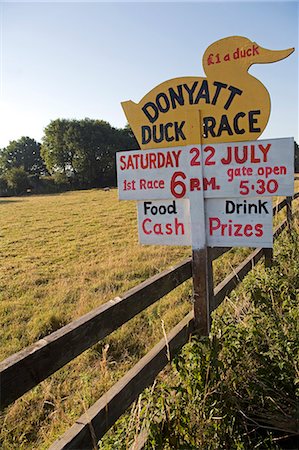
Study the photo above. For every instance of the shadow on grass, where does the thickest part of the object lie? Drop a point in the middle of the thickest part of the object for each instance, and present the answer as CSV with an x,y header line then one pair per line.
x,y
3,202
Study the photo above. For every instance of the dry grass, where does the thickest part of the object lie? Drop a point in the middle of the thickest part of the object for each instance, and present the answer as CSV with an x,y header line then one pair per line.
x,y
61,256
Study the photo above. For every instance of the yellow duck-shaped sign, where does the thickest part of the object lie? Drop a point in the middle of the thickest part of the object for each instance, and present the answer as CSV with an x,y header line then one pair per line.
x,y
233,105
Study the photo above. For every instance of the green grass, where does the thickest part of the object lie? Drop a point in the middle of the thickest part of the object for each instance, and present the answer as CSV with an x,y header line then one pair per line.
x,y
61,256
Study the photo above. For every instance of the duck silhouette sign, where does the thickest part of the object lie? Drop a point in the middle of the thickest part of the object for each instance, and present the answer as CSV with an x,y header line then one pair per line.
x,y
233,105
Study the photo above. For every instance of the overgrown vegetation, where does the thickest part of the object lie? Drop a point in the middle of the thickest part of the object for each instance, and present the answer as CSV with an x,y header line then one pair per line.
x,y
237,389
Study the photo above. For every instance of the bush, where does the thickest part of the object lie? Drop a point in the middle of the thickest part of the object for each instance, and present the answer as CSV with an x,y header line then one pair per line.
x,y
17,180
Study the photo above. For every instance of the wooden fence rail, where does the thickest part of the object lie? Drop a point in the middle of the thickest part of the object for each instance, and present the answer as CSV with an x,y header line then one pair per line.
x,y
25,369
93,424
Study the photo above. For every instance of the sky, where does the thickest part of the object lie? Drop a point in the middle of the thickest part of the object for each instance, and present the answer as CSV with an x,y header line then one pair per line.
x,y
76,59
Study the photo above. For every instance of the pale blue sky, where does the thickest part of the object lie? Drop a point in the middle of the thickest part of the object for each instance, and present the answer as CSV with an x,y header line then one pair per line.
x,y
76,60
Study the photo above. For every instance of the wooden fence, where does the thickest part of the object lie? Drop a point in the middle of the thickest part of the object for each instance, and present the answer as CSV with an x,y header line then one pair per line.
x,y
22,371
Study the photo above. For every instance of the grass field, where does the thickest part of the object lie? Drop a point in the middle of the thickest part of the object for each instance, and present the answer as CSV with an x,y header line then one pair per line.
x,y
61,256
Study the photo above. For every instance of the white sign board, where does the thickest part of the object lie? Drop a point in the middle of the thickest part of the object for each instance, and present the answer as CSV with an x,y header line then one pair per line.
x,y
239,222
151,174
164,222
249,169
234,222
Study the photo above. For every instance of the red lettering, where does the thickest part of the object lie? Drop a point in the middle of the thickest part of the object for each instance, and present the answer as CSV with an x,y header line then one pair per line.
x,y
253,158
255,50
143,226
195,161
212,151
177,187
238,229
178,226
168,228
195,184
152,160
259,230
214,224
264,150
248,230
158,228
122,160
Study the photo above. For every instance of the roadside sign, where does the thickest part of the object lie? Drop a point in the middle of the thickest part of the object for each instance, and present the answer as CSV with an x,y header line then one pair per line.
x,y
164,222
234,222
239,222
234,105
193,169
249,169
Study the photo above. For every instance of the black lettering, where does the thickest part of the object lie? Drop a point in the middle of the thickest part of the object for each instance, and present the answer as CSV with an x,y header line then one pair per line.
x,y
146,134
167,137
155,134
236,124
178,131
146,206
219,86
224,126
203,92
165,108
209,124
262,206
171,209
234,91
229,207
151,115
252,206
191,91
253,120
176,96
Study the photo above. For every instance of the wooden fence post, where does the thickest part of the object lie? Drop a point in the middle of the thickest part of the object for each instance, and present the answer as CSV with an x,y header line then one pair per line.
x,y
268,253
289,212
211,299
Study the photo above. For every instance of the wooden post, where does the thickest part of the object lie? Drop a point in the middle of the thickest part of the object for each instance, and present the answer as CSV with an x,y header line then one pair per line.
x,y
268,252
212,303
289,212
200,277
201,269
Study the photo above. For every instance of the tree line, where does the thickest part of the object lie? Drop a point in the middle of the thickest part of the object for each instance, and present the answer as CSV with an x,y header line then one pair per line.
x,y
73,154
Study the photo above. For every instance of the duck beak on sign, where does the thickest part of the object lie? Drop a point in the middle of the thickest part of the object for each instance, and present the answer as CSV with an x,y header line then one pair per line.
x,y
263,55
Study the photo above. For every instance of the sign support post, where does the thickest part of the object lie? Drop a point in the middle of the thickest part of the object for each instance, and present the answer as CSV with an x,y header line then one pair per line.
x,y
201,265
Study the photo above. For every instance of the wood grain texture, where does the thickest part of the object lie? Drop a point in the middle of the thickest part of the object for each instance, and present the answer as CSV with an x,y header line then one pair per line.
x,y
93,424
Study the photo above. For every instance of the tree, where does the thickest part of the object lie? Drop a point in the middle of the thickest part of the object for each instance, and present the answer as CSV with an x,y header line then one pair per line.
x,y
85,150
56,149
23,153
127,139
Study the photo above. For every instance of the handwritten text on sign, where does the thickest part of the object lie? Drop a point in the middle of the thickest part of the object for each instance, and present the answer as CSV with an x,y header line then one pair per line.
x,y
254,168
229,222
